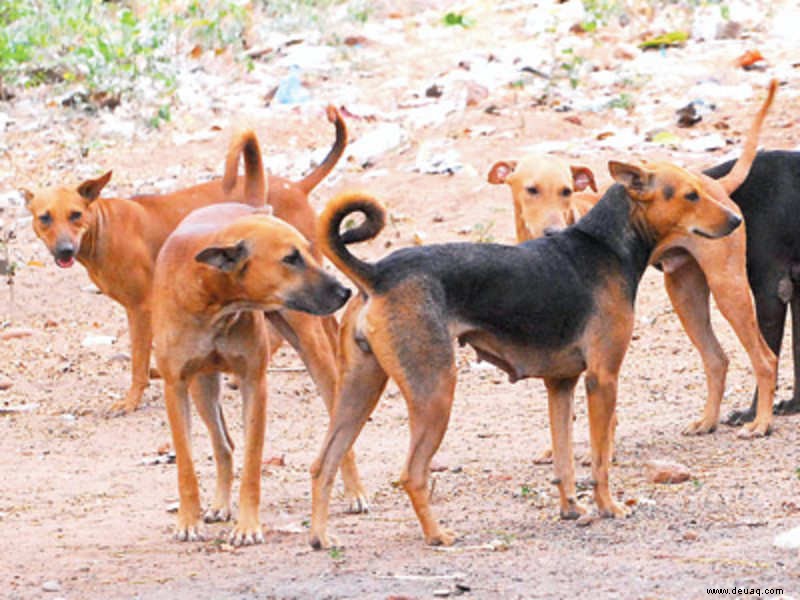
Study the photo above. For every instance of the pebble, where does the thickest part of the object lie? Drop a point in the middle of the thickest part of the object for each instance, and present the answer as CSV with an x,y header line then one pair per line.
x,y
663,471
51,586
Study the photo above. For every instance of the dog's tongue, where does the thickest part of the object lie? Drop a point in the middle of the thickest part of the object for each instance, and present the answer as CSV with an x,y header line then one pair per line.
x,y
65,264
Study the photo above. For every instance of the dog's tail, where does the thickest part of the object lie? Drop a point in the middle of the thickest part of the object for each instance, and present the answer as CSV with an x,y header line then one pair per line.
x,y
739,172
310,181
333,243
245,143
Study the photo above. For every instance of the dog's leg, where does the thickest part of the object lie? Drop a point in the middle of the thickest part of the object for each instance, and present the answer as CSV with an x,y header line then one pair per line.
x,y
205,393
362,382
771,311
177,400
736,305
792,406
254,408
311,339
560,402
601,390
689,293
141,333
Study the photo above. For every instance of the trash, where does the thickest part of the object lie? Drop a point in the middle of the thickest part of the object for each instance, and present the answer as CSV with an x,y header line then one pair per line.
x,y
663,138
291,90
693,113
91,289
673,38
160,459
173,507
90,341
17,408
434,158
376,143
788,540
712,141
452,19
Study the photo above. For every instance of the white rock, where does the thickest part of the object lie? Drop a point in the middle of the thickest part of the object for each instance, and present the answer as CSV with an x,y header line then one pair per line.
x,y
91,341
788,540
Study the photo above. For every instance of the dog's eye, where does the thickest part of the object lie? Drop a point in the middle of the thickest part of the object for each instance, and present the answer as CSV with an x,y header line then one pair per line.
x,y
75,215
532,190
566,192
294,258
692,196
45,219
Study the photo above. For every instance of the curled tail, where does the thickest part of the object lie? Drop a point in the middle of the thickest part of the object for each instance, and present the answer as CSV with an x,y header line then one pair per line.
x,y
310,181
333,243
739,172
245,143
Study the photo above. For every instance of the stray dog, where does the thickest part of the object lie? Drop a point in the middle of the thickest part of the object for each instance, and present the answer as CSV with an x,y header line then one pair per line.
x,y
554,308
769,199
215,276
548,193
693,267
118,239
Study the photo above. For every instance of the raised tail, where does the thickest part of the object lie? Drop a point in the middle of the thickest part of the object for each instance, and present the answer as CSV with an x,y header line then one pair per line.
x,y
246,143
333,243
739,172
310,181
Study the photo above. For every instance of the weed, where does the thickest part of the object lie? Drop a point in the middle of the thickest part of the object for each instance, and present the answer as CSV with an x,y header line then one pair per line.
x,y
482,232
452,19
336,554
624,101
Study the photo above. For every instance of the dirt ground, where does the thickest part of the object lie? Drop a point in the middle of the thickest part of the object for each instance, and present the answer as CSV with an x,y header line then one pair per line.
x,y
84,514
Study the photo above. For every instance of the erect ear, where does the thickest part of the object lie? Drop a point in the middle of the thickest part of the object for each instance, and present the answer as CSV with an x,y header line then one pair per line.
x,y
91,188
582,177
501,170
224,258
635,179
28,195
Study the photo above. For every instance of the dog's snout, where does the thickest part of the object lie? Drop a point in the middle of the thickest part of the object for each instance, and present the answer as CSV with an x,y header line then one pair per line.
x,y
733,222
64,251
339,293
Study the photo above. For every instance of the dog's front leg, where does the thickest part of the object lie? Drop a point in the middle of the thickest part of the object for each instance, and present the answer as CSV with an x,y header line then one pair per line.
x,y
601,390
141,333
254,397
560,398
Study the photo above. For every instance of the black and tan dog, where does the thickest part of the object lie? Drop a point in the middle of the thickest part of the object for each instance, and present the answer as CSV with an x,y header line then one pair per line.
x,y
553,308
215,276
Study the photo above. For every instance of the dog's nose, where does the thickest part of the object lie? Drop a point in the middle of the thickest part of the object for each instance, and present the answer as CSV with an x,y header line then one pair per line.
x,y
64,250
341,293
733,222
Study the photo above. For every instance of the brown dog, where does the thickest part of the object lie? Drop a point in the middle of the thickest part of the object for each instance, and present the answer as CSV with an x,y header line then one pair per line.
x,y
117,240
692,267
214,278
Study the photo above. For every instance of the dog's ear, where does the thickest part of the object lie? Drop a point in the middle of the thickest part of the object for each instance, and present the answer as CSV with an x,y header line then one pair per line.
x,y
27,195
501,170
582,177
224,258
91,188
637,180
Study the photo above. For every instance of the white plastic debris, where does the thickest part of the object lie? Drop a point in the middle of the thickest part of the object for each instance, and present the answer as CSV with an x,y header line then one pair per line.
x,y
377,142
91,341
435,157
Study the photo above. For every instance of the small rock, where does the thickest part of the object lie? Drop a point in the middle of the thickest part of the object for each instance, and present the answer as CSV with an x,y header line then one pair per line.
x,y
173,507
498,545
691,536
16,332
91,289
442,592
120,357
5,384
276,461
91,341
585,520
662,471
788,540
51,586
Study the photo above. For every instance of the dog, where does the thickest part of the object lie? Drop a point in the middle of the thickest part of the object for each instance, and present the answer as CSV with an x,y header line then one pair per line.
x,y
117,240
693,268
554,308
769,199
215,276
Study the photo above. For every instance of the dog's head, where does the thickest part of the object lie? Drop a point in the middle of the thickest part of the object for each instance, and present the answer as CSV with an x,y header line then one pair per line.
x,y
268,262
61,215
542,187
675,201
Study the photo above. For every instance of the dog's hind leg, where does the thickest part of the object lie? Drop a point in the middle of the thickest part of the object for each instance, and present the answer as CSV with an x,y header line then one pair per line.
x,y
560,400
176,397
361,384
689,293
205,393
792,406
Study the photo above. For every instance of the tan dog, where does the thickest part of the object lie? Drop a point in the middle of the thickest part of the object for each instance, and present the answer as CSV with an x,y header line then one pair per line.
x,y
692,267
117,240
214,278
548,193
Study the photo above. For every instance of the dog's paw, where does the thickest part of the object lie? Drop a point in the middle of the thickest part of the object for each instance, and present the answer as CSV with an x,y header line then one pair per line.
x,y
247,534
189,533
358,505
545,457
700,427
739,417
217,515
444,537
573,512
787,407
753,430
613,511
322,541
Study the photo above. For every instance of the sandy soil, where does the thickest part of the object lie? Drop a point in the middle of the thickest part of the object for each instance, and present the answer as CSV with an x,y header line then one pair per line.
x,y
80,510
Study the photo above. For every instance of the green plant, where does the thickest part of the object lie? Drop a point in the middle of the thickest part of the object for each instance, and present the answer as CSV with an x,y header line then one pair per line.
x,y
624,101
600,12
482,232
452,19
336,553
571,65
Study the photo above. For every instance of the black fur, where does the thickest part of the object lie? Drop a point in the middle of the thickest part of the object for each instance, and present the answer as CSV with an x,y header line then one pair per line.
x,y
770,202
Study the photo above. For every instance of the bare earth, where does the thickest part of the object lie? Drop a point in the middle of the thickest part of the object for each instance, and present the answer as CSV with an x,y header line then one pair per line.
x,y
79,507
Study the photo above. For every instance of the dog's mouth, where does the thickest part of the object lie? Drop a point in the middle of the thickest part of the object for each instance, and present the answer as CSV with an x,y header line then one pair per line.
x,y
65,262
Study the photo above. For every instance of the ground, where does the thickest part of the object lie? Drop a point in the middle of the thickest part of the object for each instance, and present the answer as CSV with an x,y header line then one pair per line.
x,y
85,513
